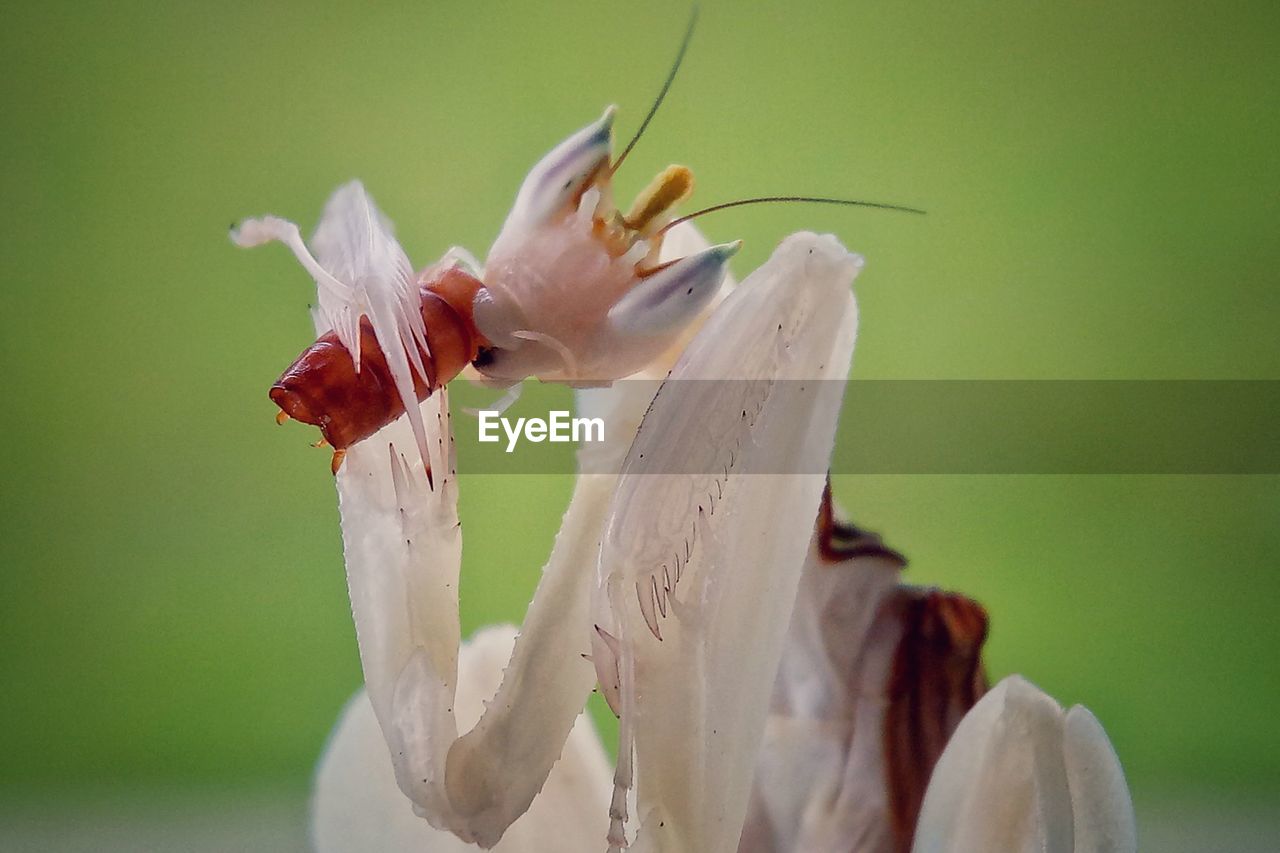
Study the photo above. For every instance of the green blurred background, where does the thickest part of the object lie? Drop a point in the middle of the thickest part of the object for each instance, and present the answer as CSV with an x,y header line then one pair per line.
x,y
1104,198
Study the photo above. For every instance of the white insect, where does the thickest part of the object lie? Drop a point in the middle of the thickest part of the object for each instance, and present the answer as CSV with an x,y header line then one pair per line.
x,y
671,584
657,580
402,546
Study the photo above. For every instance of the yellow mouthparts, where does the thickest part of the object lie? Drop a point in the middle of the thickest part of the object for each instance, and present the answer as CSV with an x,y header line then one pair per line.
x,y
672,185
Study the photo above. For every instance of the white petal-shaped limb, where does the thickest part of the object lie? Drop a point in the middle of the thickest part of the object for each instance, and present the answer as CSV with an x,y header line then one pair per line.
x,y
357,807
403,551
706,538
1020,774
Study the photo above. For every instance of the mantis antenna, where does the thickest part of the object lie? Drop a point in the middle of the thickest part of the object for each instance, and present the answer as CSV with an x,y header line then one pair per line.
x,y
791,198
671,76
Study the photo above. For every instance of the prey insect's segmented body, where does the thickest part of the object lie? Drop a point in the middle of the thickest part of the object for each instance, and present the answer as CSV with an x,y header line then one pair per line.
x,y
323,386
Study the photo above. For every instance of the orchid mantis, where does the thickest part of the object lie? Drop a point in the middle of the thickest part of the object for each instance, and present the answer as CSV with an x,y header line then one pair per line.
x,y
690,531
402,539
402,545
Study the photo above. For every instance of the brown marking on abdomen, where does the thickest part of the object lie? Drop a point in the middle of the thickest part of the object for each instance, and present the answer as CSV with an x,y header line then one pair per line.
x,y
937,676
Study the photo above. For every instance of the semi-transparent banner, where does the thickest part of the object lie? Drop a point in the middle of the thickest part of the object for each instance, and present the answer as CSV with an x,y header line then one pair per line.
x,y
900,427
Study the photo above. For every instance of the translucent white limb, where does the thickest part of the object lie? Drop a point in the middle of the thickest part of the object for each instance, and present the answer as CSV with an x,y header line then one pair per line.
x,y
508,399
403,548
495,770
552,343
357,807
1020,774
698,571
403,551
268,229
460,256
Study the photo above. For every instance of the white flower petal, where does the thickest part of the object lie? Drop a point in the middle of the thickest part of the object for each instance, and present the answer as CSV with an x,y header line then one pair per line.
x,y
357,806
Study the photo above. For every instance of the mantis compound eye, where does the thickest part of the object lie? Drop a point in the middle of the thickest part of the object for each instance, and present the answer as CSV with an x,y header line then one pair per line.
x,y
673,295
560,178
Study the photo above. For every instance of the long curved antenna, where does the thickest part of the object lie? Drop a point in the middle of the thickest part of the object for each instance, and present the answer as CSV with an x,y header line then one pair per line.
x,y
671,76
790,198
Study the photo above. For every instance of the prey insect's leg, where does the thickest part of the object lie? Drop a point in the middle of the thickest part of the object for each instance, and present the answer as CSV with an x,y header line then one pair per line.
x,y
508,399
462,257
